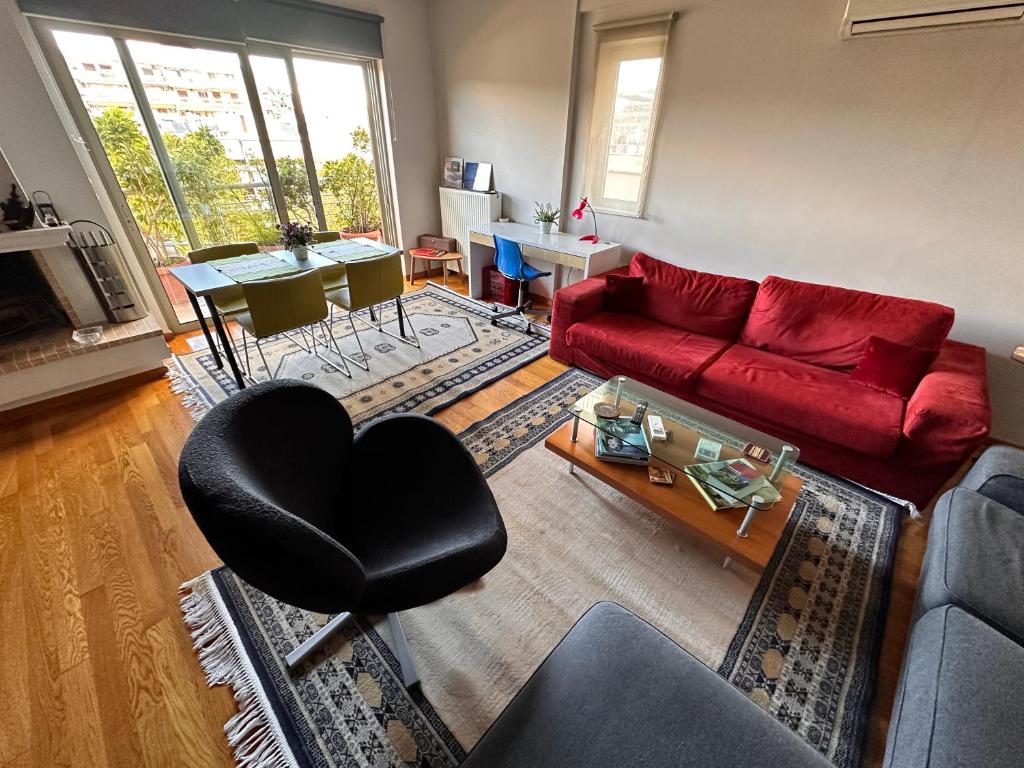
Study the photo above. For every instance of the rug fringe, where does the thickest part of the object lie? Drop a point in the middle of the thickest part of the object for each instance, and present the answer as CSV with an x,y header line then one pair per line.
x,y
187,390
252,733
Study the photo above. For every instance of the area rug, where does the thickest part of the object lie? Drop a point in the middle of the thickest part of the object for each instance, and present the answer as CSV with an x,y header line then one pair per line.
x,y
801,640
460,352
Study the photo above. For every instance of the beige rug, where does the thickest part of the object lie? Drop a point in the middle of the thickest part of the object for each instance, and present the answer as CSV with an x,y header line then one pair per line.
x,y
572,542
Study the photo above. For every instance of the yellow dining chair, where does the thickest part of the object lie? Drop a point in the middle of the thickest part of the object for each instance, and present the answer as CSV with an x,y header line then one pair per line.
x,y
281,305
228,301
371,282
333,277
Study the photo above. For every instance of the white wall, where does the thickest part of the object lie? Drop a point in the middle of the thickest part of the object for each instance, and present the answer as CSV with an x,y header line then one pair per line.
x,y
889,164
504,74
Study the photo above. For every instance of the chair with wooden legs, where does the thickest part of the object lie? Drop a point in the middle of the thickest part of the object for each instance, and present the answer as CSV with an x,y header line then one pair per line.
x,y
281,305
372,282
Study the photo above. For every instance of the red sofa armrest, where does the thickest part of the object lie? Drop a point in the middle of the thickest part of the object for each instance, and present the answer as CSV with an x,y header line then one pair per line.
x,y
570,305
949,413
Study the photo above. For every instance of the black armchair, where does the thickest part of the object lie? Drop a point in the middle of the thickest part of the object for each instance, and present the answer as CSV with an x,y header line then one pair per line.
x,y
300,509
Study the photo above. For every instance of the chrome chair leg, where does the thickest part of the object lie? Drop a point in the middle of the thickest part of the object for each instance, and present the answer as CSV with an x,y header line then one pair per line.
x,y
361,363
314,641
400,645
259,349
379,325
343,368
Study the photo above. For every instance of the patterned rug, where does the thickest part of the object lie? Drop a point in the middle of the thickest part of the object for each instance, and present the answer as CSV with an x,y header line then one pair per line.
x,y
460,352
802,639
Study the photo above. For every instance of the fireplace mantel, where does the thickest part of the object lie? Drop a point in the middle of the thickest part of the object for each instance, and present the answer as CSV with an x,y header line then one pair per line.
x,y
34,239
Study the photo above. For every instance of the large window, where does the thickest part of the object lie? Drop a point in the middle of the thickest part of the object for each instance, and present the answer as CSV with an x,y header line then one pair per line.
x,y
208,145
630,64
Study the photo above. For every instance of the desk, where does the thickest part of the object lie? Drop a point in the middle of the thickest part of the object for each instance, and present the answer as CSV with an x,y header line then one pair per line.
x,y
203,280
558,248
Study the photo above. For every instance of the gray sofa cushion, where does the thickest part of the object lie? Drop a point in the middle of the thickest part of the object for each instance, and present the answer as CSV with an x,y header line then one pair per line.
x,y
959,702
975,559
616,692
999,474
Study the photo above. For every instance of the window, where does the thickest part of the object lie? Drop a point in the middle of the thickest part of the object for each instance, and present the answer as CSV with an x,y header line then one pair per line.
x,y
197,167
627,89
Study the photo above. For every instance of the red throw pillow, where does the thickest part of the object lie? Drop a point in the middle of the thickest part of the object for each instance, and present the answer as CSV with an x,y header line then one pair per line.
x,y
892,368
623,293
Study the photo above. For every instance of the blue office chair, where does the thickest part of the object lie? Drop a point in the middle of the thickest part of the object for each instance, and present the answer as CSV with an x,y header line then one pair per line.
x,y
508,258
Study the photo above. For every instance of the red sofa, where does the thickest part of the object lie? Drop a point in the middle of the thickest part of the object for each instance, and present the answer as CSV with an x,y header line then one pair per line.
x,y
777,356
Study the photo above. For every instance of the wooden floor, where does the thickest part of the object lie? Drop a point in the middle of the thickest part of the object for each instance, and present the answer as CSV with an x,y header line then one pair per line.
x,y
96,668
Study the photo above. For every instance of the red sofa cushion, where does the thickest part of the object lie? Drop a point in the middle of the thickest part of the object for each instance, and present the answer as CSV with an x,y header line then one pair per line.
x,y
623,293
805,398
699,302
829,326
633,343
892,368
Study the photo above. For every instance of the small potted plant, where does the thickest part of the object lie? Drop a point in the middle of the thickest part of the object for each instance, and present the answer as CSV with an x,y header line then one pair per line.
x,y
546,217
296,238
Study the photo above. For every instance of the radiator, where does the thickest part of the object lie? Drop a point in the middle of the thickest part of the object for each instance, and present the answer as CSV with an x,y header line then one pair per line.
x,y
462,208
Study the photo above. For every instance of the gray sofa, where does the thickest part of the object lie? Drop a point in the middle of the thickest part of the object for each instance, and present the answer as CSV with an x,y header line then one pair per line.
x,y
617,692
958,701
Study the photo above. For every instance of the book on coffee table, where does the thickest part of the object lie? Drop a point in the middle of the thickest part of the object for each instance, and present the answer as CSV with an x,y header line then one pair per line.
x,y
621,440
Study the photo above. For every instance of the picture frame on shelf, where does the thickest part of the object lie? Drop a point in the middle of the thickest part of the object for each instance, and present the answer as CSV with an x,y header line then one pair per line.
x,y
453,167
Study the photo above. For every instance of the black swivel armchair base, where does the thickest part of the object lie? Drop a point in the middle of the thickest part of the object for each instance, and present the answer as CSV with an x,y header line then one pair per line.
x,y
310,514
399,645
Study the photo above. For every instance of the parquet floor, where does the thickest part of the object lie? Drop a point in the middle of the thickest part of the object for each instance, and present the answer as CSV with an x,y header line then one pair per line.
x,y
96,668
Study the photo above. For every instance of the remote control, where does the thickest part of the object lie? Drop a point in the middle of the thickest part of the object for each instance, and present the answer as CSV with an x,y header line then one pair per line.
x,y
638,416
657,427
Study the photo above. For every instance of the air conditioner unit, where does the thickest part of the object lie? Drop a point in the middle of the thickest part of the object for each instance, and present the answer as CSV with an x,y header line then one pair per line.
x,y
880,17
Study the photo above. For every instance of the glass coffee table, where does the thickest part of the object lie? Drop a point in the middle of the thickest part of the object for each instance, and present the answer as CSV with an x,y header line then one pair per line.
x,y
728,482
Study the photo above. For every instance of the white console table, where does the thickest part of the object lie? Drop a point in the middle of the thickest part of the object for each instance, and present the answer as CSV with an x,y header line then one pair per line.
x,y
558,248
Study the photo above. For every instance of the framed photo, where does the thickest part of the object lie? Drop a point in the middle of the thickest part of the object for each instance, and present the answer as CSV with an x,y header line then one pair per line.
x,y
453,172
477,176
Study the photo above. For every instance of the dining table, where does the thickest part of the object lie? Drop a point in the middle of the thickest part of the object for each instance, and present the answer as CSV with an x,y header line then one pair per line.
x,y
202,281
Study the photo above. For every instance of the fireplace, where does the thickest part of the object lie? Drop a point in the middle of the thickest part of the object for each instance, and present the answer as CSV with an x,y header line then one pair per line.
x,y
28,304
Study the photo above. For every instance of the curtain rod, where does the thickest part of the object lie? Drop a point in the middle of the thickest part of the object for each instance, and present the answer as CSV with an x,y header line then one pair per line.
x,y
666,17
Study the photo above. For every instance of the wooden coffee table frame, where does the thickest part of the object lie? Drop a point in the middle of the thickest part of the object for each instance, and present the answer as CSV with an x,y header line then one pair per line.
x,y
681,502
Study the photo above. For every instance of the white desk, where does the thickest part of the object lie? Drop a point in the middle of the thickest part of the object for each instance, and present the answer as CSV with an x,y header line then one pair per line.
x,y
559,249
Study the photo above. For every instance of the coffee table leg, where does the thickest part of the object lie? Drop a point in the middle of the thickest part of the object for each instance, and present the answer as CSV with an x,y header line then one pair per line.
x,y
727,563
756,504
575,427
572,468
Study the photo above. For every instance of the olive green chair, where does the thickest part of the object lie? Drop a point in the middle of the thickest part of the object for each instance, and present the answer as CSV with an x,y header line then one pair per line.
x,y
228,301
333,277
372,282
281,305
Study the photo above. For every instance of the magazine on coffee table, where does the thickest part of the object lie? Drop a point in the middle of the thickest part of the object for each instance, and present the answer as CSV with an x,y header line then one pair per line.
x,y
731,483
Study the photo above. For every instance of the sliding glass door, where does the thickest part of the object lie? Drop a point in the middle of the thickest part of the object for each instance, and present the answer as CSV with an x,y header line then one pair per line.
x,y
333,96
208,144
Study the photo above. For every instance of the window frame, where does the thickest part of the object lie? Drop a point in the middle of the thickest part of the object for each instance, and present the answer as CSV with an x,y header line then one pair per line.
x,y
616,43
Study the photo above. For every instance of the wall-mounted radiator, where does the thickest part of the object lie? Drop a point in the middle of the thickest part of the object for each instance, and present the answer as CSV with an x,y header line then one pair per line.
x,y
462,208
